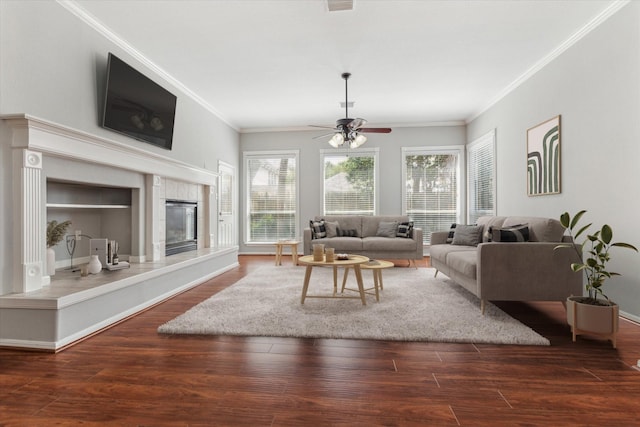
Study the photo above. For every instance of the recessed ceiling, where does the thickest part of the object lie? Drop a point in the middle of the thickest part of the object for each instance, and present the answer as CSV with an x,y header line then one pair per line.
x,y
276,64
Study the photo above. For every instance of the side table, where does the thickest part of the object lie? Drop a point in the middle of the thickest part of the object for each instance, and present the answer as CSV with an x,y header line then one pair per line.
x,y
293,244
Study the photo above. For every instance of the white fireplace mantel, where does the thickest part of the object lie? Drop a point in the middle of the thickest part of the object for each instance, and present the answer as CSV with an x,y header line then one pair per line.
x,y
32,140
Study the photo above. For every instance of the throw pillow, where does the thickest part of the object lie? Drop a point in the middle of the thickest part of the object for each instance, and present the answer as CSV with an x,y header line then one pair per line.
x,y
387,229
331,228
347,233
404,229
318,230
452,232
467,235
516,233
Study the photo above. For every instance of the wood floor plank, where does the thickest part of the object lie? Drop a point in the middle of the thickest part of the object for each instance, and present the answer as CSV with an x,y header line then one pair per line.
x,y
130,375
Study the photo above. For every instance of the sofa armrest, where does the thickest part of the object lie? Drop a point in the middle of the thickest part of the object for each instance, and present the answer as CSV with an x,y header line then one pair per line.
x,y
526,271
306,241
439,237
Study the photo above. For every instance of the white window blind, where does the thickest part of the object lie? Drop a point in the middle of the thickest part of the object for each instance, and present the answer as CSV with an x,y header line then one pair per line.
x,y
349,183
482,177
431,192
272,196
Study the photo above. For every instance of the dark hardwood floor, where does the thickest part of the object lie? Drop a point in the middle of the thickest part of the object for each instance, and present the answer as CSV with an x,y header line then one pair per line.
x,y
129,375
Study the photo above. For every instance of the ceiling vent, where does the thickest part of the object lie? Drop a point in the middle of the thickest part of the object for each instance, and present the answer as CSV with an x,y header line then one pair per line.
x,y
338,5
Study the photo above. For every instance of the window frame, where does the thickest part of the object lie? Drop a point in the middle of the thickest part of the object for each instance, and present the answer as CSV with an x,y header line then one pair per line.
x,y
458,150
269,154
487,140
361,152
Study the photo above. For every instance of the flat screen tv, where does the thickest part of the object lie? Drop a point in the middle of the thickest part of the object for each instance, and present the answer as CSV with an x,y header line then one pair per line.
x,y
136,106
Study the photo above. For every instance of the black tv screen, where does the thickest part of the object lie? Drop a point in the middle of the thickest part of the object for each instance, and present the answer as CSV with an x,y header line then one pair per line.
x,y
136,106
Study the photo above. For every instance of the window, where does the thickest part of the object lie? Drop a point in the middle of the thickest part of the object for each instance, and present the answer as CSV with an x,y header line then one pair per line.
x,y
481,156
272,196
431,193
349,182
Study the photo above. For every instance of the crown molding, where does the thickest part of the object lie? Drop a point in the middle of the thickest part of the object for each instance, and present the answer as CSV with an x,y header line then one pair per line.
x,y
573,39
73,7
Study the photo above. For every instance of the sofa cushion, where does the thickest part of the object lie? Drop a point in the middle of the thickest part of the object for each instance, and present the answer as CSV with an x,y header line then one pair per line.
x,y
440,252
370,223
343,244
387,229
467,235
346,222
540,229
489,222
518,233
331,228
405,229
387,244
318,230
463,262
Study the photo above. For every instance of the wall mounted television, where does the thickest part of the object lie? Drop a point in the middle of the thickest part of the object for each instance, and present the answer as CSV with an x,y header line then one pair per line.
x,y
136,106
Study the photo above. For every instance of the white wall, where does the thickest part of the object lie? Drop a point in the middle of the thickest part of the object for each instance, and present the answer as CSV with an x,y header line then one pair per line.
x,y
53,66
595,87
390,155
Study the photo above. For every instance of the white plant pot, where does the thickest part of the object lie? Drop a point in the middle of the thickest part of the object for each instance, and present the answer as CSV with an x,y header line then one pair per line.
x,y
95,266
51,262
592,319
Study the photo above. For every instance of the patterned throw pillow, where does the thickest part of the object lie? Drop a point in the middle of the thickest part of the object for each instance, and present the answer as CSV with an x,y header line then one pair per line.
x,y
347,233
452,231
318,230
404,229
515,233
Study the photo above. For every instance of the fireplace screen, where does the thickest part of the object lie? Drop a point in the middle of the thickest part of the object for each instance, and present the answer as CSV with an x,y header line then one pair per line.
x,y
181,233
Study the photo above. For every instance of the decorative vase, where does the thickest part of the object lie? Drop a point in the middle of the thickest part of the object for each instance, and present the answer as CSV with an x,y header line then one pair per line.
x,y
95,266
51,262
586,318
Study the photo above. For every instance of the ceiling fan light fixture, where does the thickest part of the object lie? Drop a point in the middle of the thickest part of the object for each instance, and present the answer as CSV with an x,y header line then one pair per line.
x,y
358,140
336,140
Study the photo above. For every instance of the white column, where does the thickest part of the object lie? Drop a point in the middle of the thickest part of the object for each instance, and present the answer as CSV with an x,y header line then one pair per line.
x,y
29,211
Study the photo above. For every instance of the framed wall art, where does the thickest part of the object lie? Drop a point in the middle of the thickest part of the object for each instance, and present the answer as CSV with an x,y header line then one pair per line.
x,y
543,158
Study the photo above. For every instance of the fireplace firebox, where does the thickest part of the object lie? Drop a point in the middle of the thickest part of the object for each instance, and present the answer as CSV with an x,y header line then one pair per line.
x,y
181,232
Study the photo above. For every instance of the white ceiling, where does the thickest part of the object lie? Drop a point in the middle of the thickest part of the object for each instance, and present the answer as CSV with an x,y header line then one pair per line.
x,y
275,64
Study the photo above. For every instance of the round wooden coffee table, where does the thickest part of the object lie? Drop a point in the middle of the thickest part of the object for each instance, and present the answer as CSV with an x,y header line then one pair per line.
x,y
354,261
376,267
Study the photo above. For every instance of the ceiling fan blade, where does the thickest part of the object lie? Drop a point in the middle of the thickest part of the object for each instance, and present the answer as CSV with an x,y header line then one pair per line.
x,y
322,136
375,130
323,127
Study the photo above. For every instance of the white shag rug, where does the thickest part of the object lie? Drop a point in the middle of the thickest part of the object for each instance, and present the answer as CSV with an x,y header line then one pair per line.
x,y
414,306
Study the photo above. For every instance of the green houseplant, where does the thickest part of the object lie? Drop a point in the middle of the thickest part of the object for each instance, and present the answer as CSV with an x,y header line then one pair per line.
x,y
591,314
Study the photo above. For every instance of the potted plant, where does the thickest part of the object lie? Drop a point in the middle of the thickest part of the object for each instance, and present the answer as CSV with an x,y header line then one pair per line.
x,y
55,233
591,314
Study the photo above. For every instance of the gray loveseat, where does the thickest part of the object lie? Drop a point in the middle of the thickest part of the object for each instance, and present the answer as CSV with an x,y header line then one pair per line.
x,y
509,271
360,235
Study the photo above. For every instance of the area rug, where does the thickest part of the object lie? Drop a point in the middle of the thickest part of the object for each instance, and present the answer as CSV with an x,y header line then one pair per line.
x,y
414,306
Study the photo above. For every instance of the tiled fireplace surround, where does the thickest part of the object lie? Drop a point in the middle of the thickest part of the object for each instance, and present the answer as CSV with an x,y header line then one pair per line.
x,y
51,314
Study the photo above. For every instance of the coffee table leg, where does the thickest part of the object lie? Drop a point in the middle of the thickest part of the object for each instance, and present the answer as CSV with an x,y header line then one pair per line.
x,y
344,279
377,282
305,287
360,285
294,253
335,280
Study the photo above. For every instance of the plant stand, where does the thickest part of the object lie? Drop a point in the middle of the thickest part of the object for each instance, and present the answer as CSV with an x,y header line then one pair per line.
x,y
592,319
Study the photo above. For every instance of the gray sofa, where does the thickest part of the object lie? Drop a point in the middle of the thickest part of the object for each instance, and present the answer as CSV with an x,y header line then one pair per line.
x,y
366,240
509,271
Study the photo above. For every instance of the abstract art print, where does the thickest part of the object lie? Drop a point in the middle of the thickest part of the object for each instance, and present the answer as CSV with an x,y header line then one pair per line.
x,y
543,158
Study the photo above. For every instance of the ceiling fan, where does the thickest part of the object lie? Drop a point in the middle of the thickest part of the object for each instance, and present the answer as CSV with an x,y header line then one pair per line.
x,y
350,131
